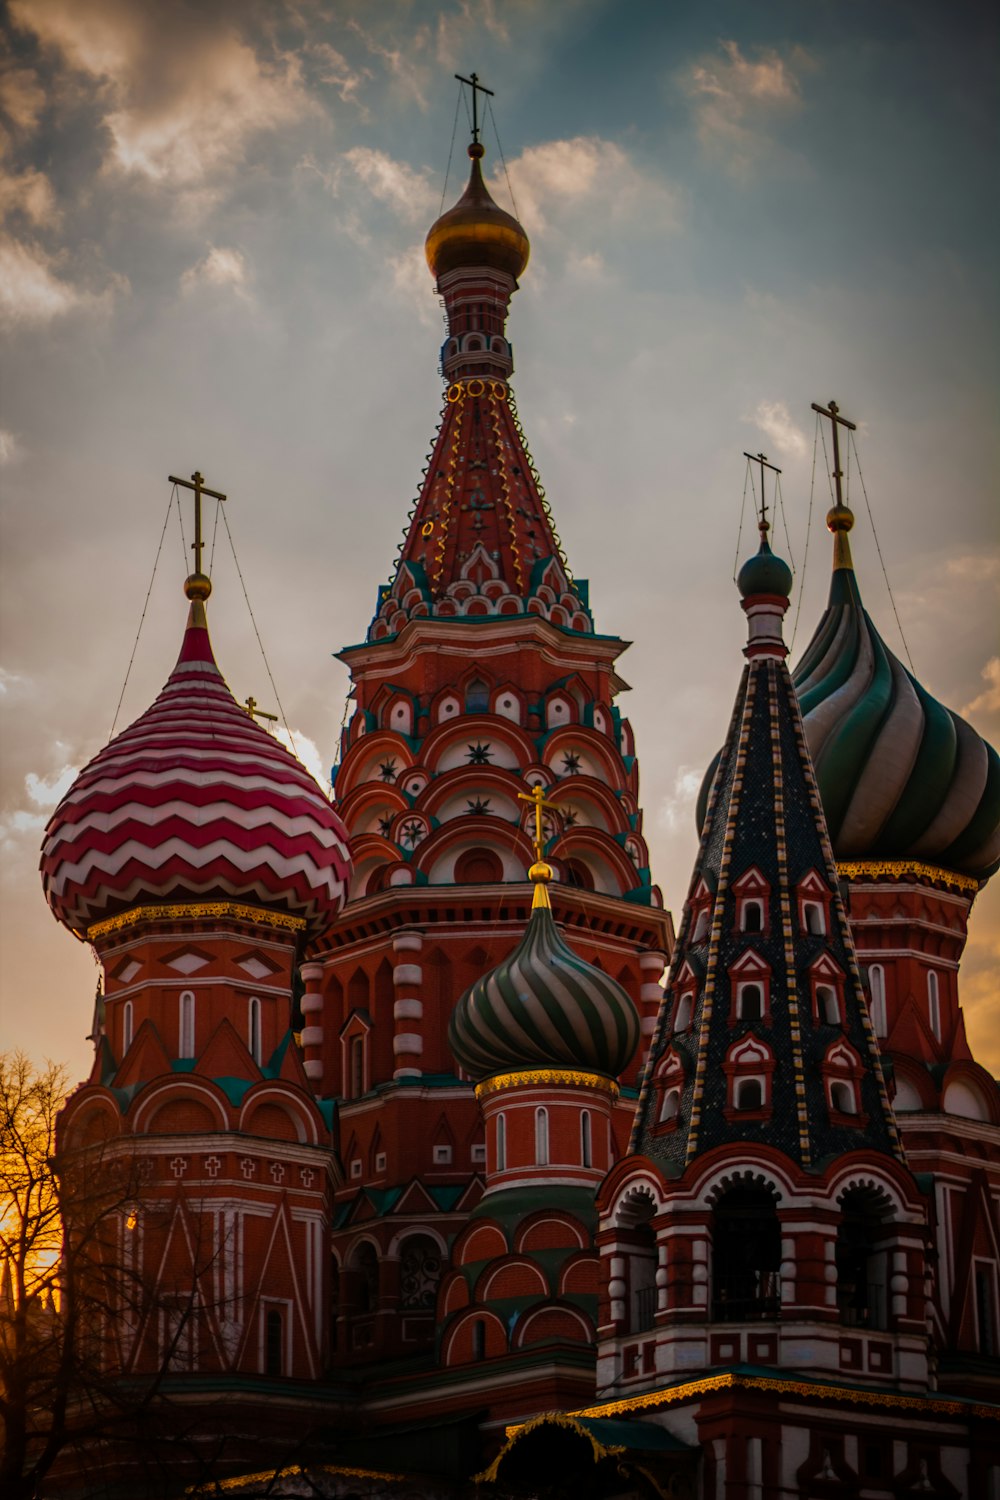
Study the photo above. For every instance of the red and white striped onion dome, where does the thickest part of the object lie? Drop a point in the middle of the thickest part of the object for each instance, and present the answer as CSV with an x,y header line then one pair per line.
x,y
195,802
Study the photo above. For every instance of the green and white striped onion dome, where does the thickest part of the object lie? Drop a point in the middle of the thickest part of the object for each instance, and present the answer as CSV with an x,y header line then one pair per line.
x,y
901,776
544,1007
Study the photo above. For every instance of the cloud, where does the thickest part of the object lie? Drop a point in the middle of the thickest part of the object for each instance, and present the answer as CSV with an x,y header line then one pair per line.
x,y
10,453
222,266
410,78
31,291
676,811
307,751
406,192
28,195
775,421
11,682
182,93
43,793
413,286
988,701
975,568
559,177
335,70
22,98
735,98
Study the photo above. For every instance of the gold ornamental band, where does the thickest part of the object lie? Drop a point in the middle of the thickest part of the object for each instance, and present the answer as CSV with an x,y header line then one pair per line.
x,y
859,869
474,386
533,1077
195,911
689,1389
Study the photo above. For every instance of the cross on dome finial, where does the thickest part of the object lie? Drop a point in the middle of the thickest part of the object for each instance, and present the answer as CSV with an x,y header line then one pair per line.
x,y
477,88
198,586
841,518
763,525
540,873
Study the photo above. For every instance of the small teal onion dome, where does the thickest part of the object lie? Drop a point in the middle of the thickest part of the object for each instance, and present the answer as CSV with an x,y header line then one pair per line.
x,y
764,573
544,1007
901,776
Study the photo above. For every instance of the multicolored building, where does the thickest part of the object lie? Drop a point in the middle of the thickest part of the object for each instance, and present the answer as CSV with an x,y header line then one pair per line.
x,y
437,1180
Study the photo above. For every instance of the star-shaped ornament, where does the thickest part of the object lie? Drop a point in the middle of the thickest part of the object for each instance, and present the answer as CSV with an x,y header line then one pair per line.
x,y
480,754
412,833
481,805
571,763
385,827
388,770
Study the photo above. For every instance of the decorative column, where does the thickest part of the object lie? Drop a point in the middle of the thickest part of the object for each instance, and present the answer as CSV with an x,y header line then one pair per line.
x,y
651,965
312,1031
408,1009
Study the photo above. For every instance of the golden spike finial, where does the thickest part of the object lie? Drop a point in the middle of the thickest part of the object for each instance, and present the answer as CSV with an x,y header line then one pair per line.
x,y
540,873
198,585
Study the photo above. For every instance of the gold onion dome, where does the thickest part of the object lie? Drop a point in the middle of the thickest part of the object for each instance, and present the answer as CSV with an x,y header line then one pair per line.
x,y
477,231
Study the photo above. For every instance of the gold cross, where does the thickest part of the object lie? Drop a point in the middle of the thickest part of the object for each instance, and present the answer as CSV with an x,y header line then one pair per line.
x,y
537,797
832,412
196,483
258,713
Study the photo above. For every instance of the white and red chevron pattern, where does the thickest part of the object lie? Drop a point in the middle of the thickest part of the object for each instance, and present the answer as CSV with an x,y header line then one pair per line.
x,y
194,801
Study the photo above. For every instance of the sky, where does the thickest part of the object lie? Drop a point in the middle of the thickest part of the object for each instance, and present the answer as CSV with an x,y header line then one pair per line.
x,y
211,257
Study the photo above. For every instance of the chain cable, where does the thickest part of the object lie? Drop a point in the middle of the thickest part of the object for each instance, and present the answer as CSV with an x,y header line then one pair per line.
x,y
267,665
503,163
878,549
135,643
451,148
747,479
805,555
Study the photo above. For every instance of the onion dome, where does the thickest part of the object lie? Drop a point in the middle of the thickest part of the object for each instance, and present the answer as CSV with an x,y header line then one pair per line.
x,y
901,776
544,1007
193,802
764,573
476,231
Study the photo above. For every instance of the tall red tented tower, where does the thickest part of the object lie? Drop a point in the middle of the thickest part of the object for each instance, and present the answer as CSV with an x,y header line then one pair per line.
x,y
481,678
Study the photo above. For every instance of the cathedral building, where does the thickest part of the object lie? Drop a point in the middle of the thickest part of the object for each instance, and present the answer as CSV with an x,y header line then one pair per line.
x,y
437,1184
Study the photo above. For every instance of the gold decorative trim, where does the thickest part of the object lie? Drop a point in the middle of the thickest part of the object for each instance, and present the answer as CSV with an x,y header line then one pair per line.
x,y
671,1394
270,1476
547,1419
195,911
532,1077
857,869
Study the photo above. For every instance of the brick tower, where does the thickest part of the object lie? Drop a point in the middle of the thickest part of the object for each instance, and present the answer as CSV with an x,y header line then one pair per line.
x,y
481,678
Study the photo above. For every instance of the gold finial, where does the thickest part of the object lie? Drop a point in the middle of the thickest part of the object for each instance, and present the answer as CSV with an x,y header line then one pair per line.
x,y
540,873
198,585
840,519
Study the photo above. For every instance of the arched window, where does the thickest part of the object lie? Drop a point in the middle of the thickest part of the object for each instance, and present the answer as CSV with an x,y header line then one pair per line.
x,y
749,1002
185,1046
477,697
827,1005
842,1097
746,1255
541,1137
685,1007
479,1339
357,1073
478,867
814,918
126,1026
876,983
366,1266
273,1341
586,1139
701,925
577,875
749,1093
501,1143
751,916
420,1268
861,1259
933,1004
253,1028
671,1105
